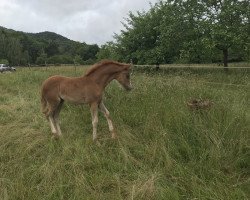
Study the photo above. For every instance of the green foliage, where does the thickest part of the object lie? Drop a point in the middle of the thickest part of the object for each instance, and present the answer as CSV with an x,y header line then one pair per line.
x,y
108,51
78,60
88,52
42,59
59,59
184,32
164,150
11,48
52,48
26,48
4,61
229,24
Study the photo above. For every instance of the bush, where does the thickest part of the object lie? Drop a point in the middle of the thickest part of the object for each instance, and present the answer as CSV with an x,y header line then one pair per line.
x,y
89,62
40,61
4,61
60,59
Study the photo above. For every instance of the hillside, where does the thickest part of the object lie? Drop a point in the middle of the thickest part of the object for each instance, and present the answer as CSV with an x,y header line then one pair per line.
x,y
20,48
46,35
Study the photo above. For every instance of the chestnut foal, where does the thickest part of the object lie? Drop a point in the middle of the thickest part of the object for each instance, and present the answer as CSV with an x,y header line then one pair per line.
x,y
87,89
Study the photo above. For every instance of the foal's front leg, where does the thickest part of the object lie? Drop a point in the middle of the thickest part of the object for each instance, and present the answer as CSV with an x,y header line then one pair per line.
x,y
94,114
105,111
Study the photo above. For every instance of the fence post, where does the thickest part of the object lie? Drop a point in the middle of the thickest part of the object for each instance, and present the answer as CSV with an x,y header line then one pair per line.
x,y
157,66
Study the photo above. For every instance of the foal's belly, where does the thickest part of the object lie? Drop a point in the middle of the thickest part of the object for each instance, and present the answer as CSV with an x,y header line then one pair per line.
x,y
80,97
79,91
74,100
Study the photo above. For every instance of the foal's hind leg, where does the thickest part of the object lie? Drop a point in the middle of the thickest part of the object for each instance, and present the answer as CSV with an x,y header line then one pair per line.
x,y
105,111
56,117
52,124
53,106
94,114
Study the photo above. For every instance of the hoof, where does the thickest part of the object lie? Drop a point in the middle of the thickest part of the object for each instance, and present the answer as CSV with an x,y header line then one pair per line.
x,y
114,135
97,142
56,137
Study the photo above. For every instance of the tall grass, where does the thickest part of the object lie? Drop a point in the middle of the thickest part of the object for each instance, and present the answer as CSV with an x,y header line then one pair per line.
x,y
164,150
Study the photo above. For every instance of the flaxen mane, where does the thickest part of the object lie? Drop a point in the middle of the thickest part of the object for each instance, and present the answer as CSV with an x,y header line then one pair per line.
x,y
102,63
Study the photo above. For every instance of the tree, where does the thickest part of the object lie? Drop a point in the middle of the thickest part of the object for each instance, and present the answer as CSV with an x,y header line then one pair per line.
x,y
4,61
22,48
77,60
191,31
25,60
11,48
14,51
52,49
42,59
140,39
88,51
108,51
229,24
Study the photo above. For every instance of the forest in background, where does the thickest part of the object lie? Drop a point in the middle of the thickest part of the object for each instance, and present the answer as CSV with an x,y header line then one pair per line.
x,y
172,31
19,48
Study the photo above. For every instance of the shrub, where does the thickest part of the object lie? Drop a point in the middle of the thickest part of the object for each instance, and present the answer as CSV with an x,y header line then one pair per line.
x,y
4,61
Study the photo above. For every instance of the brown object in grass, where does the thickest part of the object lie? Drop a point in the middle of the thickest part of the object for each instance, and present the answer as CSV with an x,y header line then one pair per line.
x,y
196,104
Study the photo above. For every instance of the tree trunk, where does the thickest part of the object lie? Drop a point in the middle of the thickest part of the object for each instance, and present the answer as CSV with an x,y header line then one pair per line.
x,y
225,59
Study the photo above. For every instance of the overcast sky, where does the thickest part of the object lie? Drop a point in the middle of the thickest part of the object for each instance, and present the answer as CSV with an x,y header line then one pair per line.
x,y
90,21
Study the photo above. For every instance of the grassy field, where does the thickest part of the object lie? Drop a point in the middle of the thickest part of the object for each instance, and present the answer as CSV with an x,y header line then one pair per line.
x,y
164,150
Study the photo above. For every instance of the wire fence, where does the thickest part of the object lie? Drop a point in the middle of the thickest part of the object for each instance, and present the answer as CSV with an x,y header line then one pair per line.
x,y
194,66
220,83
201,69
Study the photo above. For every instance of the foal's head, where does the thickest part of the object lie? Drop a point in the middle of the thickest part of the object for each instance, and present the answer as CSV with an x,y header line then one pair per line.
x,y
123,77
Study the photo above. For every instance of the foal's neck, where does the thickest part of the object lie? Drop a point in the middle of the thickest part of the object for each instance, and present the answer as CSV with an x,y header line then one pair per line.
x,y
103,76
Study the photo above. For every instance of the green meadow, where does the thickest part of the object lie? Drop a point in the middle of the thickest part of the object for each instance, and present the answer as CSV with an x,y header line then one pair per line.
x,y
164,149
